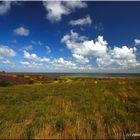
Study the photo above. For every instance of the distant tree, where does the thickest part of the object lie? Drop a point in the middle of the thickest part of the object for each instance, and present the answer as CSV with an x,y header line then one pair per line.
x,y
2,71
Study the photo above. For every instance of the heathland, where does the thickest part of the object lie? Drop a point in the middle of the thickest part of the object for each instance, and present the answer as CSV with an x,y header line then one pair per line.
x,y
41,107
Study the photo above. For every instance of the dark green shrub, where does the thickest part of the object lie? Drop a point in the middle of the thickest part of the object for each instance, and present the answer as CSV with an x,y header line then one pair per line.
x,y
31,81
4,83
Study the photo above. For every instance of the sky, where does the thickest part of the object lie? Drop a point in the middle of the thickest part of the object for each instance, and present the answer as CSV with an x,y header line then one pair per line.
x,y
69,36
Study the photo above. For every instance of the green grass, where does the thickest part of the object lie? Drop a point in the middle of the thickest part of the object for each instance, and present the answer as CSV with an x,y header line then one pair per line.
x,y
73,108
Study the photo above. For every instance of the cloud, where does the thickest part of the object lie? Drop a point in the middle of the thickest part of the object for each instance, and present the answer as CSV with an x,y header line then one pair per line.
x,y
35,65
48,49
95,48
72,38
5,6
123,53
22,31
80,59
6,61
75,4
137,42
81,47
36,42
13,41
83,21
84,50
56,64
32,65
27,48
124,56
6,51
40,43
98,27
52,65
104,61
62,64
24,63
34,57
31,56
56,9
61,50
44,59
65,65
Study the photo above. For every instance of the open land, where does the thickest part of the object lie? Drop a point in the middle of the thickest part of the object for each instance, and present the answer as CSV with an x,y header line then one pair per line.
x,y
42,106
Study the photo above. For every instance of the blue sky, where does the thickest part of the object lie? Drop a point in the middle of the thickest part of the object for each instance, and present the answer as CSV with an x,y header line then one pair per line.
x,y
66,36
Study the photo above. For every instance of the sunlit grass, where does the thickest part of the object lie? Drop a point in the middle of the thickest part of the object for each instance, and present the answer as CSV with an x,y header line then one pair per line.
x,y
71,108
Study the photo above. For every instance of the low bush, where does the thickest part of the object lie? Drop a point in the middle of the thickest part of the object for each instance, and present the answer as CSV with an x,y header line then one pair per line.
x,y
31,81
4,83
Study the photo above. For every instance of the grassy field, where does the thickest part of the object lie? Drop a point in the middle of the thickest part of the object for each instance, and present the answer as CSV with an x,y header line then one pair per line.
x,y
77,108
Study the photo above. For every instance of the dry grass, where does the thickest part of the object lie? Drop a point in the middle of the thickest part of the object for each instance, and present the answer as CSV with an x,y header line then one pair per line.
x,y
72,108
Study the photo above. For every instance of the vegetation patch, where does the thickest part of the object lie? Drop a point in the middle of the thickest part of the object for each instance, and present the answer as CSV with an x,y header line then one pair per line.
x,y
4,83
74,108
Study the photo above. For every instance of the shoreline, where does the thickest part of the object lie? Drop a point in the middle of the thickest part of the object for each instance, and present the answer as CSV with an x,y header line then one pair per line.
x,y
80,75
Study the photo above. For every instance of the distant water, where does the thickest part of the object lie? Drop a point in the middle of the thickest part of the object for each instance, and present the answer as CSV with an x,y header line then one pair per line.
x,y
96,75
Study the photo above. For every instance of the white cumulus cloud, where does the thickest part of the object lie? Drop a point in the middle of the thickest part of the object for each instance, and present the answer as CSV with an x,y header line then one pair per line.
x,y
34,57
6,61
6,51
56,9
24,63
137,42
80,59
5,54
22,31
26,48
84,50
5,6
61,63
32,65
120,56
82,21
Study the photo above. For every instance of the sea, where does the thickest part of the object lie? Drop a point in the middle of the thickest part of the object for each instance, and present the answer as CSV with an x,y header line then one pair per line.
x,y
92,75
96,75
